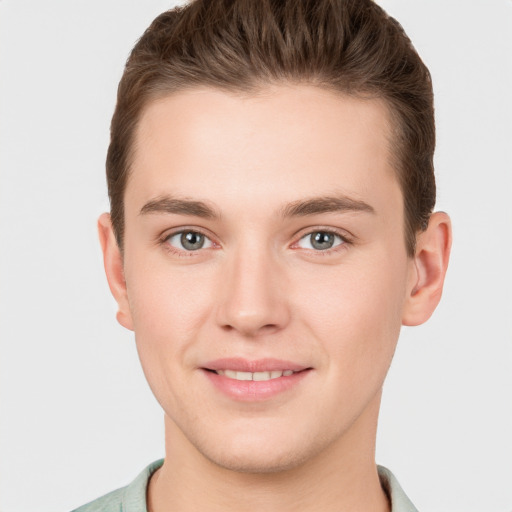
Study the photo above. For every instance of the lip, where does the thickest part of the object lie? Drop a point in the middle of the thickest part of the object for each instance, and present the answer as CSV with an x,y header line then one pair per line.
x,y
259,365
254,391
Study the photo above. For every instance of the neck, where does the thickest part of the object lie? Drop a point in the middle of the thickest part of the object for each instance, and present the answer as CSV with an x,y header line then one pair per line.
x,y
342,477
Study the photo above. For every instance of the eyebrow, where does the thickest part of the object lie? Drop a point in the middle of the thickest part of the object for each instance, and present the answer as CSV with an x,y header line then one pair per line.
x,y
326,204
167,204
300,208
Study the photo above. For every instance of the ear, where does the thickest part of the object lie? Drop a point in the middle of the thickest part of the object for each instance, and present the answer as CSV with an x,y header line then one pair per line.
x,y
428,269
113,262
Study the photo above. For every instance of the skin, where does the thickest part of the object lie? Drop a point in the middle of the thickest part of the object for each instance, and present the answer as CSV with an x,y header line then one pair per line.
x,y
259,289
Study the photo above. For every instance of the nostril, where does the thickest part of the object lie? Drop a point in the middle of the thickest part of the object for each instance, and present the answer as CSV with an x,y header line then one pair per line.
x,y
251,330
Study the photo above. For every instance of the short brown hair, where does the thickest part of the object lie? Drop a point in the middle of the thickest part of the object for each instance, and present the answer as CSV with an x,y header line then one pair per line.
x,y
348,46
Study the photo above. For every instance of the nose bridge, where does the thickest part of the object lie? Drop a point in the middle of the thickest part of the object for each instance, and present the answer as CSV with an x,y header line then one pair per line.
x,y
253,301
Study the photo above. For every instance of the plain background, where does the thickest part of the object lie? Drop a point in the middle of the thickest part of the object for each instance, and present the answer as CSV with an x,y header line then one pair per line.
x,y
78,419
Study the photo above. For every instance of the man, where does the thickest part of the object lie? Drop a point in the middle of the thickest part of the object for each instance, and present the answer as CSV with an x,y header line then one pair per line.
x,y
271,228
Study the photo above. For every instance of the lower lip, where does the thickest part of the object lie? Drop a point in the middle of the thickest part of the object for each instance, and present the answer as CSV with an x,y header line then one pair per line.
x,y
253,390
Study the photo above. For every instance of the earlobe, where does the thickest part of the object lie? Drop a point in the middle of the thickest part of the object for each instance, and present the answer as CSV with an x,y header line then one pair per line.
x,y
428,270
113,262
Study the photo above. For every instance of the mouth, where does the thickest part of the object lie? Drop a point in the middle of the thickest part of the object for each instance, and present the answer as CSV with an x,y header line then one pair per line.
x,y
256,376
249,381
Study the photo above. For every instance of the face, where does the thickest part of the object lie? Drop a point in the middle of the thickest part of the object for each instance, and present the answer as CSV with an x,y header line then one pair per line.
x,y
265,268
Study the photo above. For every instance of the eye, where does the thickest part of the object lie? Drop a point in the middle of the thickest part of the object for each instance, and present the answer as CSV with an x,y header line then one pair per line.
x,y
189,241
320,240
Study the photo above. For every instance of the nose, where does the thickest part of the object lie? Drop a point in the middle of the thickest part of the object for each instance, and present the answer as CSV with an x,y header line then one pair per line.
x,y
253,294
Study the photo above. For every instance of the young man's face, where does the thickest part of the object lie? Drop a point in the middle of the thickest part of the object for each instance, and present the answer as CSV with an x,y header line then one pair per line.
x,y
265,234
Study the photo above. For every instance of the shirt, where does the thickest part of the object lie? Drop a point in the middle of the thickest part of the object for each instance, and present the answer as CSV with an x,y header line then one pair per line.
x,y
132,498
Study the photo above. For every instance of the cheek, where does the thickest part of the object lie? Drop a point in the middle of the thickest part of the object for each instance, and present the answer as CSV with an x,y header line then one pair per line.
x,y
355,311
166,301
168,306
165,319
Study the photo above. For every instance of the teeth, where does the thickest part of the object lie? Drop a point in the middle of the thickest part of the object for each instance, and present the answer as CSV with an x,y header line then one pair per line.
x,y
263,375
257,376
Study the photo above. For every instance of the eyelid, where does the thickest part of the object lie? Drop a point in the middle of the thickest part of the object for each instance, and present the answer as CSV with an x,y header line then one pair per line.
x,y
166,235
178,236
346,237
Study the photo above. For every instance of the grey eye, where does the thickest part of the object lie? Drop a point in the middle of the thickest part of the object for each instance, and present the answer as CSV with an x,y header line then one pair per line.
x,y
189,241
192,241
320,240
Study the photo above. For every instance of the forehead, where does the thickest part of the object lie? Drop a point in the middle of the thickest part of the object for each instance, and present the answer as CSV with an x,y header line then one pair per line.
x,y
278,144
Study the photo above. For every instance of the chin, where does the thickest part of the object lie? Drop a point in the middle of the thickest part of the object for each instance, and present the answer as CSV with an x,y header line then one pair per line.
x,y
257,463
259,452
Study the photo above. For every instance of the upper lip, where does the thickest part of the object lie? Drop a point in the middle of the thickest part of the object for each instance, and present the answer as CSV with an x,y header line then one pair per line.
x,y
258,365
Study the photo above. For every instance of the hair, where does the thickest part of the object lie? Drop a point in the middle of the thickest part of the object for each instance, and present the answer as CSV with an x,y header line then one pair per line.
x,y
347,46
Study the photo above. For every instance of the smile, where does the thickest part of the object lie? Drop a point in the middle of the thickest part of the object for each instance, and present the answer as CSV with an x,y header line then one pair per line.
x,y
256,376
246,380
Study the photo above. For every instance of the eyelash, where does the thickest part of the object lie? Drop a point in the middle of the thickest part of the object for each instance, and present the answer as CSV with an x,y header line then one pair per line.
x,y
182,253
346,240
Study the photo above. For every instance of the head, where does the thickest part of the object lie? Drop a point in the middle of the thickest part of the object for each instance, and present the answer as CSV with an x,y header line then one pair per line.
x,y
270,175
349,47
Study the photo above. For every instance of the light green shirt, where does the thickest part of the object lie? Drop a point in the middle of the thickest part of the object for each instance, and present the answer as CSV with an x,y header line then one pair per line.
x,y
132,498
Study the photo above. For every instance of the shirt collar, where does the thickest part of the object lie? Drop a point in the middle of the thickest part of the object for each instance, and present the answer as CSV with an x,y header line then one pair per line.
x,y
399,500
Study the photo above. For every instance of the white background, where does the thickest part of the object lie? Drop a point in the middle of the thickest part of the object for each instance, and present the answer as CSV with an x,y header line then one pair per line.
x,y
77,418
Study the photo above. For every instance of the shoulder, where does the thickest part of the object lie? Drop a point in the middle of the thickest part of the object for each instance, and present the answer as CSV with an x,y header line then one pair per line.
x,y
131,498
111,502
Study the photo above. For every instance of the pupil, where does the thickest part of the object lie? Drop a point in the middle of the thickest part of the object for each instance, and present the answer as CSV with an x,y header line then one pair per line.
x,y
322,240
192,241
